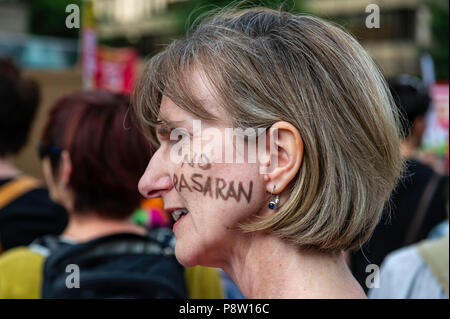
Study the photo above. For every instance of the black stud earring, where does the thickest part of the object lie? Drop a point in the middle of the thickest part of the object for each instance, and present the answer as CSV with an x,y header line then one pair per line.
x,y
274,202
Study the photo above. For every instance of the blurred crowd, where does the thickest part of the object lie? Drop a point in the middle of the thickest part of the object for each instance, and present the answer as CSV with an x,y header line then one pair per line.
x,y
89,212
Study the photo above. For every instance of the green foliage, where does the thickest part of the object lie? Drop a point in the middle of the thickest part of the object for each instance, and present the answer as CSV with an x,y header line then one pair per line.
x,y
48,17
190,12
440,33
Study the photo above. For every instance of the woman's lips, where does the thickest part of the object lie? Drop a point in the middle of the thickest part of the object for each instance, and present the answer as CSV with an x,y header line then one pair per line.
x,y
179,219
178,213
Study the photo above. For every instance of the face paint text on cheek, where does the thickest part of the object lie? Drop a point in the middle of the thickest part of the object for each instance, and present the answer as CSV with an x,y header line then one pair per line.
x,y
201,160
215,187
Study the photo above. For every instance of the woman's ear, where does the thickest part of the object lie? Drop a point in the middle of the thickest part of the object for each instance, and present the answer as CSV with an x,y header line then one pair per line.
x,y
284,155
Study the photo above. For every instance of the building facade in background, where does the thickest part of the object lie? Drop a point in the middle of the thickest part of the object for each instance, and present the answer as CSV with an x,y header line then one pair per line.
x,y
404,30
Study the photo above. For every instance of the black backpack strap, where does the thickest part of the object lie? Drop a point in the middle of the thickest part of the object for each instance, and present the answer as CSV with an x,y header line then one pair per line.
x,y
129,246
421,210
45,245
159,241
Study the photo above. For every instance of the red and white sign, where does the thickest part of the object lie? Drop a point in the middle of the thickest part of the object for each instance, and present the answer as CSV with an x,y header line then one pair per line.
x,y
116,69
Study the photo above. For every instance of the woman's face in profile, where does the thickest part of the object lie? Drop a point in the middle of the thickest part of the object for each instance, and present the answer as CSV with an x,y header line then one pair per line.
x,y
196,182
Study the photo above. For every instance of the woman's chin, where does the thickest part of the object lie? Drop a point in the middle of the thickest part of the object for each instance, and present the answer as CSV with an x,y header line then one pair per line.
x,y
193,251
184,257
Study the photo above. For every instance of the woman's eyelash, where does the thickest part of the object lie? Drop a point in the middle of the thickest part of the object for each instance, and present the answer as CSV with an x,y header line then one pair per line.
x,y
164,133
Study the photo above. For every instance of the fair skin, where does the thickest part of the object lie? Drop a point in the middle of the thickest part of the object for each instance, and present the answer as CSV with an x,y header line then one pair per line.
x,y
262,265
86,225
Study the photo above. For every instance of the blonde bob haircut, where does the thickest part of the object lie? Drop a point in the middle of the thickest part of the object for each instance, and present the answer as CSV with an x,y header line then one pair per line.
x,y
267,66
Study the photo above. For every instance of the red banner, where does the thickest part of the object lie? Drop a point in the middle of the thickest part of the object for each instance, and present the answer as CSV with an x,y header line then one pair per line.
x,y
116,69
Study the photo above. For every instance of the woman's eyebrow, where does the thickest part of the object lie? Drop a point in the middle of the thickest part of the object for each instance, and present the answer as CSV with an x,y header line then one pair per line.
x,y
164,126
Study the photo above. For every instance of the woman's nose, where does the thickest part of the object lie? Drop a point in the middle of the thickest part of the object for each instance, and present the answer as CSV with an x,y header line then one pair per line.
x,y
155,182
152,187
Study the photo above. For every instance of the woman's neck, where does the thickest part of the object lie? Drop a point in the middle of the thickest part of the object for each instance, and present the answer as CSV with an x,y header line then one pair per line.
x,y
266,267
7,170
86,226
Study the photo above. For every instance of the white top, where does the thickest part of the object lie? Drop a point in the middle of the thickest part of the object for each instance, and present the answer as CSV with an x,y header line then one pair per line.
x,y
405,275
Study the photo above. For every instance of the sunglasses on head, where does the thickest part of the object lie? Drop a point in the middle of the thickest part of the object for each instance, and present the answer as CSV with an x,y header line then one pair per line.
x,y
49,150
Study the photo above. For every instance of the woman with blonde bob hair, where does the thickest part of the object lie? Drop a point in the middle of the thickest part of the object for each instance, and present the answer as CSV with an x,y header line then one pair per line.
x,y
329,161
